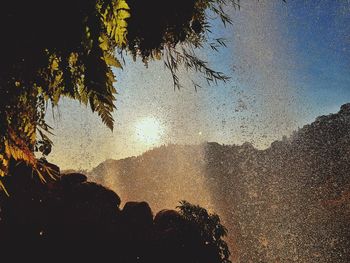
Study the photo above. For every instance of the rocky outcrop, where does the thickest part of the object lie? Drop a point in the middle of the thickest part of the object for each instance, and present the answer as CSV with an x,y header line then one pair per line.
x,y
73,218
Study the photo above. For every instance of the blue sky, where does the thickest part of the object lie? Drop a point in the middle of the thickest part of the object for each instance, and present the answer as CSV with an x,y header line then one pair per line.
x,y
289,63
322,30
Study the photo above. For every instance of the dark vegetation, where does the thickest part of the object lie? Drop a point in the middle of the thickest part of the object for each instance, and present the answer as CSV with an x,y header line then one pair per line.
x,y
68,48
70,214
288,203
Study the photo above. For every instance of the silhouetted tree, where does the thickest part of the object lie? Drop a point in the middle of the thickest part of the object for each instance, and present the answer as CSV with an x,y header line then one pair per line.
x,y
211,231
67,48
71,214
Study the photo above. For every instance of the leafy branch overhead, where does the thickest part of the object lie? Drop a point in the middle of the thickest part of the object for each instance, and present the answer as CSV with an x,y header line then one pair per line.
x,y
70,52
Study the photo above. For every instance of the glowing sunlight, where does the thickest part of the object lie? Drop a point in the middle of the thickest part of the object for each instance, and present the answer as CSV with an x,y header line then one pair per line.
x,y
149,130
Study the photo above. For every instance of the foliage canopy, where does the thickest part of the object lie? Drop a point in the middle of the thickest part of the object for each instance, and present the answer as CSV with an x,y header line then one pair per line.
x,y
68,48
210,227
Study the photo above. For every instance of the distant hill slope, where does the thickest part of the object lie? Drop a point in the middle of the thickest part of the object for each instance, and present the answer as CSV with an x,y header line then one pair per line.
x,y
288,203
162,176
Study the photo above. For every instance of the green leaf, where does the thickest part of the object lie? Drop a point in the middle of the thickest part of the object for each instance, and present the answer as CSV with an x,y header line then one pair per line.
x,y
112,61
2,187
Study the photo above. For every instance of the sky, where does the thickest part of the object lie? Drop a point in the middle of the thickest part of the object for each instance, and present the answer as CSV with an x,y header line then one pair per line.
x,y
288,63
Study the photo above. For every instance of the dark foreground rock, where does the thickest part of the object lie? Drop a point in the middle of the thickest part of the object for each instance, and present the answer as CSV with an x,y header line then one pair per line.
x,y
70,217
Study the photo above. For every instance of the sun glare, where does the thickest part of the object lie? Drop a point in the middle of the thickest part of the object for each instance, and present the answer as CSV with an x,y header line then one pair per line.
x,y
149,131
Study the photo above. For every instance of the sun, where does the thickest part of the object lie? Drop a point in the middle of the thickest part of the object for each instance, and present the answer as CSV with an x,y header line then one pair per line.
x,y
149,130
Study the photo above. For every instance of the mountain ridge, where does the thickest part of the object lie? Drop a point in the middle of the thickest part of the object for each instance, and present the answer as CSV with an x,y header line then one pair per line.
x,y
278,203
343,112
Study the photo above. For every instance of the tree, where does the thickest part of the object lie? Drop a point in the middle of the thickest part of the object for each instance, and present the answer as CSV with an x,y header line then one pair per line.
x,y
68,47
210,229
72,217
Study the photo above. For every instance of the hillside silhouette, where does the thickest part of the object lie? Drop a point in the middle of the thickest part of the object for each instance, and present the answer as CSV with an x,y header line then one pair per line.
x,y
288,203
